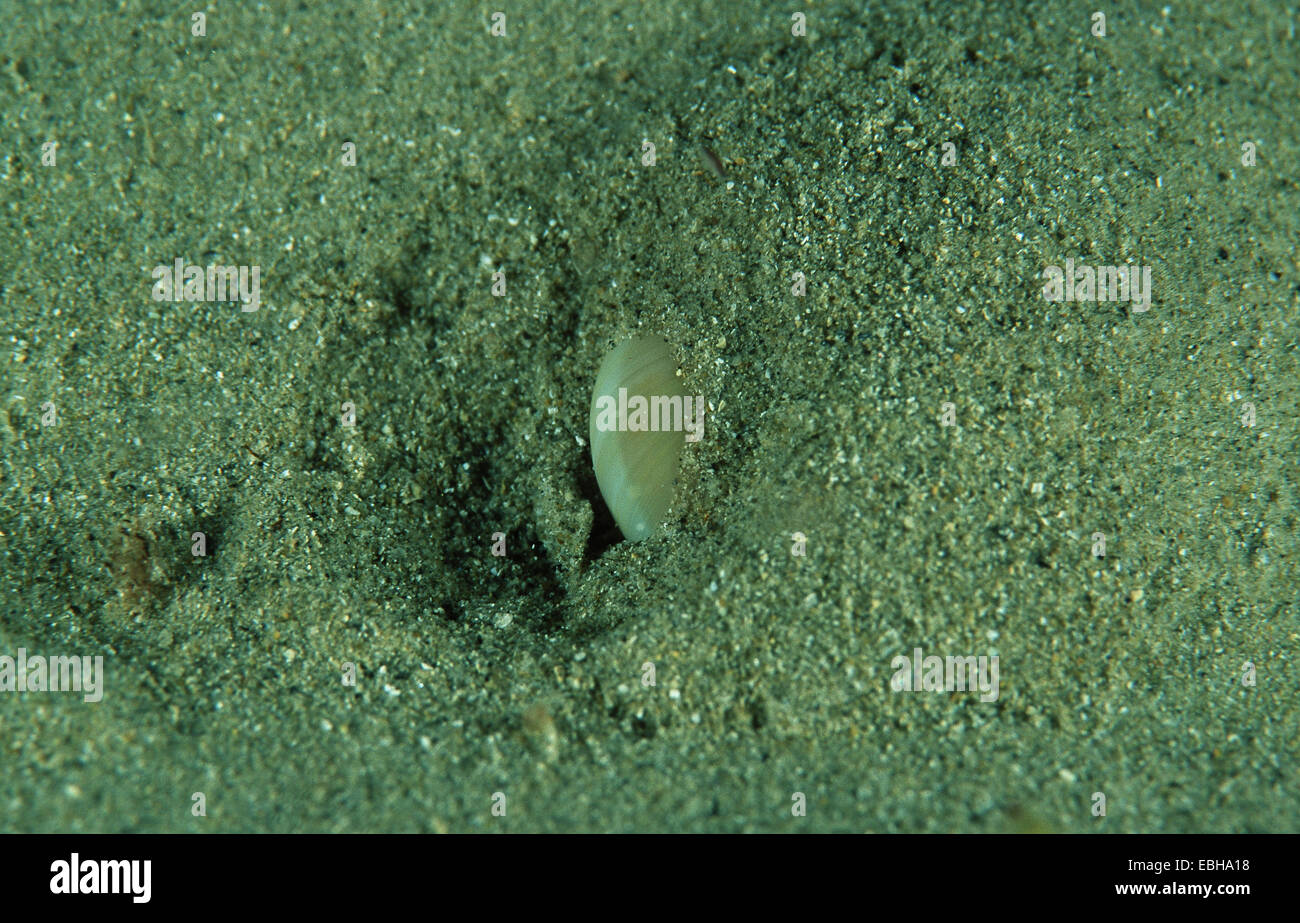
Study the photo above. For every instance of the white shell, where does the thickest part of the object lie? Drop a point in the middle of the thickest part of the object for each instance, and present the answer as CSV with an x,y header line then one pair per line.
x,y
635,470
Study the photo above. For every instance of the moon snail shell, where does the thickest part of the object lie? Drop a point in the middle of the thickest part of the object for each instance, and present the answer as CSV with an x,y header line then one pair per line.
x,y
639,416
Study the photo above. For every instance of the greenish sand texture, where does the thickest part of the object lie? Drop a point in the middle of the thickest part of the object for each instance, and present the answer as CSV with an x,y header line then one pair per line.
x,y
1161,675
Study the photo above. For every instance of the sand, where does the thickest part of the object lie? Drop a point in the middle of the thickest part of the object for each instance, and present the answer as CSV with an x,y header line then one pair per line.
x,y
513,693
